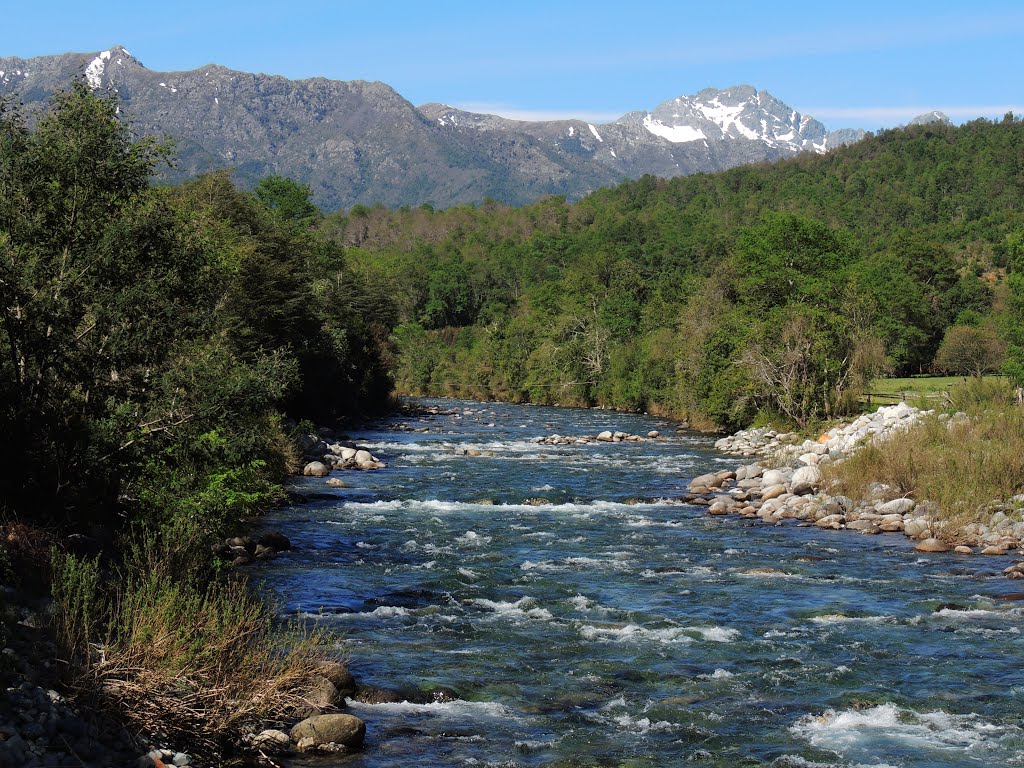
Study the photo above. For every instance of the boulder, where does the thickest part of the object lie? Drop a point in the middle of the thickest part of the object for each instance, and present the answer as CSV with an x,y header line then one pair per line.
x,y
916,526
339,675
335,482
774,477
706,481
932,545
806,479
264,553
321,730
773,491
316,469
323,694
897,507
363,457
272,741
719,508
605,436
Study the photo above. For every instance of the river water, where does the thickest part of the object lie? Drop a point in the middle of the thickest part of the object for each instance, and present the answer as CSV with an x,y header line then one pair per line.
x,y
584,617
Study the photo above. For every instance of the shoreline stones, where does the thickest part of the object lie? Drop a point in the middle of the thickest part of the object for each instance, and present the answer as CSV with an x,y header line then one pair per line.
x,y
786,485
241,550
320,457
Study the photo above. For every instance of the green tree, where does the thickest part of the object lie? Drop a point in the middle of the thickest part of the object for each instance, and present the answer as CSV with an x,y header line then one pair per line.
x,y
289,199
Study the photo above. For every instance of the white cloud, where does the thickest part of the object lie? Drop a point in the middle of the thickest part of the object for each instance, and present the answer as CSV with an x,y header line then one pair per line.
x,y
525,113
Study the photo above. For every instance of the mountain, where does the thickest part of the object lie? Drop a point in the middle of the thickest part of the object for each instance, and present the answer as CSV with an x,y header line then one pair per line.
x,y
928,118
361,142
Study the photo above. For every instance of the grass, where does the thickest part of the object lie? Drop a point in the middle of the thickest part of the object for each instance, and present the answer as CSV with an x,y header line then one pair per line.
x,y
195,661
961,468
884,391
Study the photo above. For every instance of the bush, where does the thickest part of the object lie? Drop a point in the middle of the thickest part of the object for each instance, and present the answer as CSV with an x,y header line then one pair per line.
x,y
974,393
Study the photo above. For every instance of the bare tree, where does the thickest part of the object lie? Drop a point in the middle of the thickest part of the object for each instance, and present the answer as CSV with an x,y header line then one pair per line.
x,y
970,351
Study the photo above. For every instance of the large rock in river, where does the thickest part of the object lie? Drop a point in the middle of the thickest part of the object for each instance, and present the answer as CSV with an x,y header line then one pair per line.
x,y
932,545
316,469
321,730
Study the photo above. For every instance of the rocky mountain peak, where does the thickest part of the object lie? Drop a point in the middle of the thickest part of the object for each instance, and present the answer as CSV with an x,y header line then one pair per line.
x,y
935,116
740,112
362,142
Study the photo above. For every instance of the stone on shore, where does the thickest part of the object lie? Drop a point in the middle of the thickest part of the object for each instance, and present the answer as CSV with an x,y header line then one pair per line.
x,y
705,481
272,741
275,540
897,507
774,477
932,545
339,675
805,480
322,730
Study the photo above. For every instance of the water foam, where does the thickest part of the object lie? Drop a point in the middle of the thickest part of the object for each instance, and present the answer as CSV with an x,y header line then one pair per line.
x,y
717,634
855,733
523,608
632,633
454,709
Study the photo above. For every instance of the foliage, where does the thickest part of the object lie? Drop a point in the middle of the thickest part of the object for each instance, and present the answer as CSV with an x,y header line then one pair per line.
x,y
152,341
178,654
137,323
655,293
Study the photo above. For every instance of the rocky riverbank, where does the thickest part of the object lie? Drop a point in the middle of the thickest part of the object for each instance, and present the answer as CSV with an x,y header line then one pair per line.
x,y
786,483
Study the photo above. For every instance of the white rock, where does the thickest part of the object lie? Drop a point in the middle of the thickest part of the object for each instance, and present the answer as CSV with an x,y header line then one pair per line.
x,y
806,479
897,507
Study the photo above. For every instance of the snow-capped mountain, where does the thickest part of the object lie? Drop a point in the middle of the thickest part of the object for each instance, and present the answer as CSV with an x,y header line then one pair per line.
x,y
361,142
735,114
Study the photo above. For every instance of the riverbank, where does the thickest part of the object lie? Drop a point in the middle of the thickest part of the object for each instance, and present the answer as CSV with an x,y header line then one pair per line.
x,y
797,480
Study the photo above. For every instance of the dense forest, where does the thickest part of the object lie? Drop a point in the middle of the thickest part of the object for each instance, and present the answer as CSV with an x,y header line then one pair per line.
x,y
763,291
154,338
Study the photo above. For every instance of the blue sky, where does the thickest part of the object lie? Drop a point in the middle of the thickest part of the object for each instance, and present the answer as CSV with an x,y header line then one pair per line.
x,y
860,64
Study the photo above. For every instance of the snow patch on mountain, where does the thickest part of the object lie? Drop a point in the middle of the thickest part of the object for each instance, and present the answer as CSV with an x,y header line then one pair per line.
x,y
94,72
678,134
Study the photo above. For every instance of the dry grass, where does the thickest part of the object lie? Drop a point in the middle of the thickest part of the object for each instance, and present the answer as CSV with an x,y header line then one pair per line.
x,y
960,467
193,665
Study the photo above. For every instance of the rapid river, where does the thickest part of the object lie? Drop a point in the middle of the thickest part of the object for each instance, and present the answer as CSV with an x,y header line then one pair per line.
x,y
585,617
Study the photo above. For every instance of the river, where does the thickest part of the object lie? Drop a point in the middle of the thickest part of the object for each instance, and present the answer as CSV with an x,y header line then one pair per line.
x,y
585,617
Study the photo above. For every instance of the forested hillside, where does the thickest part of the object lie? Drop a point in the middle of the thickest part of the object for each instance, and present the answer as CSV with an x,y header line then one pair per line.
x,y
772,289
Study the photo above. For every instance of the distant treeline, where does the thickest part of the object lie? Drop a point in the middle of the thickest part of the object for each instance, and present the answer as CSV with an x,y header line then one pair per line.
x,y
761,291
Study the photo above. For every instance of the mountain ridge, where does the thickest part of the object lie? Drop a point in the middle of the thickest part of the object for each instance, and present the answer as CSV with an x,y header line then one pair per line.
x,y
360,141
